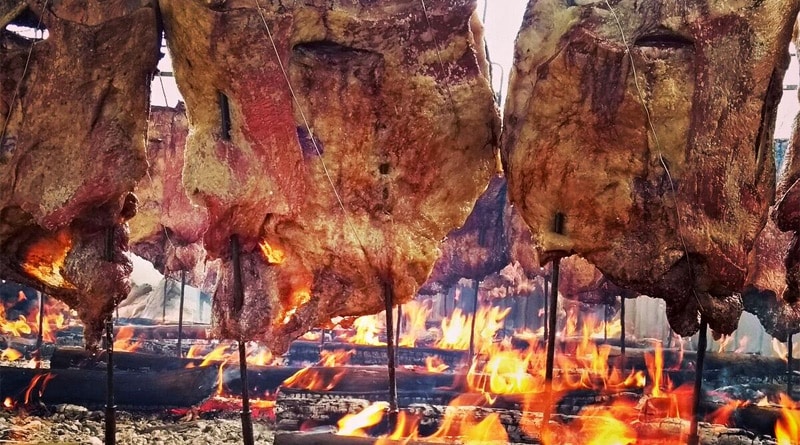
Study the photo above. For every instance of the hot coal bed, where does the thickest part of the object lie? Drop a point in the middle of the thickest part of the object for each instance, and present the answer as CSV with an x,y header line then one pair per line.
x,y
456,381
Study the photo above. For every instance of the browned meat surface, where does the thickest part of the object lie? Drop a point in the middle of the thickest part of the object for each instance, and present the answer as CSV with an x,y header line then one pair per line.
x,y
667,203
402,123
479,247
168,229
73,148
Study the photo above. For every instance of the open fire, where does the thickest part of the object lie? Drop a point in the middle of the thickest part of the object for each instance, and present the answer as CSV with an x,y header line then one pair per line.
x,y
498,395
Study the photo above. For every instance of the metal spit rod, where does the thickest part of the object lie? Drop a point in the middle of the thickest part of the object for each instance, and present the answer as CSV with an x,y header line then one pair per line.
x,y
472,329
180,314
551,333
397,332
238,304
111,408
622,331
789,365
388,298
702,344
40,335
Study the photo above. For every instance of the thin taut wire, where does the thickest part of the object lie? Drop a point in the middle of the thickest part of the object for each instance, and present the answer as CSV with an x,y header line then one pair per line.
x,y
658,147
308,127
24,72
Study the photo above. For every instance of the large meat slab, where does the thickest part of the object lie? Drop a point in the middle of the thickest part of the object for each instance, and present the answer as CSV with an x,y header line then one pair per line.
x,y
168,229
76,107
401,123
648,125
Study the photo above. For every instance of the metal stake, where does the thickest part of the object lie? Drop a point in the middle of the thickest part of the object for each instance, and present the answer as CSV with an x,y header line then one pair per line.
x,y
40,335
397,332
164,301
605,323
472,329
546,306
388,298
238,304
623,358
789,365
702,344
180,313
551,329
111,408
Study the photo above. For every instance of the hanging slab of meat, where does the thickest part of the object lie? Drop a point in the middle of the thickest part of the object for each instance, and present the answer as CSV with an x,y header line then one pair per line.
x,y
168,229
73,148
671,210
478,248
402,124
773,282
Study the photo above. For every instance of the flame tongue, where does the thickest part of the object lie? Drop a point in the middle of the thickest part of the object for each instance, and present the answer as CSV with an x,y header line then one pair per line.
x,y
45,257
356,424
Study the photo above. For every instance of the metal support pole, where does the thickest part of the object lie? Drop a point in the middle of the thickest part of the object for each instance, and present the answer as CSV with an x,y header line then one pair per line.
x,y
397,332
180,314
238,304
388,298
247,421
111,408
789,365
546,305
623,358
472,328
702,344
164,302
551,330
40,335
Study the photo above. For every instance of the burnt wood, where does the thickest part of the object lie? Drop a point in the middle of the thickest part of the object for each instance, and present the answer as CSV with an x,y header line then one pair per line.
x,y
309,352
140,390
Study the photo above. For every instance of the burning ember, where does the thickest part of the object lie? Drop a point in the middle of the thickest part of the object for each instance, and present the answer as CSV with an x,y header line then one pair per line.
x,y
45,259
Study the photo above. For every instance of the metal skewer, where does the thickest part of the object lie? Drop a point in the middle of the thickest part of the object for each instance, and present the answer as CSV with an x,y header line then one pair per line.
x,y
551,327
622,331
180,313
397,332
702,344
238,304
472,329
40,335
546,306
111,408
789,365
388,298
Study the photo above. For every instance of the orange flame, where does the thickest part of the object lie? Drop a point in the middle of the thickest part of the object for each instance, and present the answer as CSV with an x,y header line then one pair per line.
x,y
355,424
406,429
271,254
314,380
457,328
45,259
487,431
124,340
368,328
8,403
722,415
435,364
415,316
11,354
44,379
787,428
298,298
15,328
